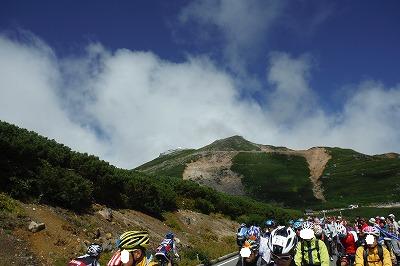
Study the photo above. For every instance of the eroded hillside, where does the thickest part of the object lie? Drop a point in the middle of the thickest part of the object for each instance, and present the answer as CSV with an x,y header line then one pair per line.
x,y
66,233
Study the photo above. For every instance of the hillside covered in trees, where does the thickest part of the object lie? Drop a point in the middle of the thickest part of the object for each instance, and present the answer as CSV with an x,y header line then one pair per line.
x,y
34,168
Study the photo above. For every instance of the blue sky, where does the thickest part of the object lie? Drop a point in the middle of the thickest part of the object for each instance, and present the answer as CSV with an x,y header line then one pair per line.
x,y
289,73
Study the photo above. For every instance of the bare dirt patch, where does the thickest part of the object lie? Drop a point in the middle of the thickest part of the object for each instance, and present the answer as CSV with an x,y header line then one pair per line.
x,y
213,170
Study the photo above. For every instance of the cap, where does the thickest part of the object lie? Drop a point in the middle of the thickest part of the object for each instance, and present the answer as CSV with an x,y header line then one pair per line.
x,y
371,220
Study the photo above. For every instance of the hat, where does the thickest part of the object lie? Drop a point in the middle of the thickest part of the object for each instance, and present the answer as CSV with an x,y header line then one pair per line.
x,y
307,234
371,220
382,218
391,215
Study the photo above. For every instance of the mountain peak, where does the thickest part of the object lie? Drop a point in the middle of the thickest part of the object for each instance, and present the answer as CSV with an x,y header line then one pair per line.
x,y
233,143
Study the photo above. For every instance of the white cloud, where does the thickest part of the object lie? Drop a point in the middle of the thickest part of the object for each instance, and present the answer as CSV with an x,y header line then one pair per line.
x,y
28,85
128,106
241,25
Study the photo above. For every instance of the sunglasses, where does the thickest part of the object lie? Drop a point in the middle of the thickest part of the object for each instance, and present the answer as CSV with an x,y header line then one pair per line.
x,y
282,257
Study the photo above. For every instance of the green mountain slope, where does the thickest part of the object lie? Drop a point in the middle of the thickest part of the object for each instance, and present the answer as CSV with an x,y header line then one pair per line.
x,y
280,175
275,177
34,168
354,177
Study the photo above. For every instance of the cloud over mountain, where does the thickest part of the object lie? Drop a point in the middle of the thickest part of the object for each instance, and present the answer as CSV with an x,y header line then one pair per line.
x,y
128,106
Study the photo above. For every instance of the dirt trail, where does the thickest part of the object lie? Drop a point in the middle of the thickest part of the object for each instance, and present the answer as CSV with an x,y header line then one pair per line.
x,y
213,170
317,158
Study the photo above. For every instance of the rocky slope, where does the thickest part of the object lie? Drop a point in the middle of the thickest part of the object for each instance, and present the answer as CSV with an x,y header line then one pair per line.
x,y
66,233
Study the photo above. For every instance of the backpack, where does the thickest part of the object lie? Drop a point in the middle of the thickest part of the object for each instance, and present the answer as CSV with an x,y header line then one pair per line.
x,y
365,254
394,245
303,261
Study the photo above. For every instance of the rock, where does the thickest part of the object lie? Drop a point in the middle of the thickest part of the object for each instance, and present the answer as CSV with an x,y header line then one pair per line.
x,y
106,213
36,227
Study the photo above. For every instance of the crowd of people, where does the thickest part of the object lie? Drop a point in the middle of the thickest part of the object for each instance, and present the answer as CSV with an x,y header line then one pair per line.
x,y
321,241
132,251
304,242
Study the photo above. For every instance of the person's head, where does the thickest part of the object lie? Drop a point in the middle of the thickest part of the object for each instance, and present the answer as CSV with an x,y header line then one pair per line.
x,y
135,243
317,230
307,231
269,225
252,246
281,243
371,234
94,250
341,230
297,227
169,235
392,216
371,221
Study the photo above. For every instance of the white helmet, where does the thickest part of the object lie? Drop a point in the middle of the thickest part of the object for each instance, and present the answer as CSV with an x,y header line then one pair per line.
x,y
307,225
282,240
341,229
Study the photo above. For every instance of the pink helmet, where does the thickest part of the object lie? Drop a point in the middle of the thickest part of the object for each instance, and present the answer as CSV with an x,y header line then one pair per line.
x,y
371,230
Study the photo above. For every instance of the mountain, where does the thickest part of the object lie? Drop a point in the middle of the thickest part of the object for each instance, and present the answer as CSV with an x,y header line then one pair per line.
x,y
319,177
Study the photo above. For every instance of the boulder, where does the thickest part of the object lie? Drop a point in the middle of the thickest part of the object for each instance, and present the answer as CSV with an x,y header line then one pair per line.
x,y
36,227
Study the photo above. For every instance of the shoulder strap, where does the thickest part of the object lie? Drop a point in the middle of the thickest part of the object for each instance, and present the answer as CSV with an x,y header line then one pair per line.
x,y
380,252
302,253
317,247
365,254
310,256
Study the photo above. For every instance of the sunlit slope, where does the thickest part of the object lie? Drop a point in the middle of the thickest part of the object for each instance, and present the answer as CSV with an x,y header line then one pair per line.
x,y
352,177
280,175
274,177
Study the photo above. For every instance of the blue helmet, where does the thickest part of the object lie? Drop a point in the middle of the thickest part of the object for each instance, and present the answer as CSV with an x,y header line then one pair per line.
x,y
297,224
254,233
269,223
169,235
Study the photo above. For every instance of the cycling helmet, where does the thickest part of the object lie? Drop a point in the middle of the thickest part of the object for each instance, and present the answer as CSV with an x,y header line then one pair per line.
x,y
254,233
341,229
371,230
169,235
269,223
243,225
132,240
317,229
94,250
297,224
307,225
282,240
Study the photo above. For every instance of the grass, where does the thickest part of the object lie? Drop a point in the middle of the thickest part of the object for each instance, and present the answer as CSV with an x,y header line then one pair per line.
x,y
172,165
168,157
275,177
10,206
352,177
172,221
234,143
